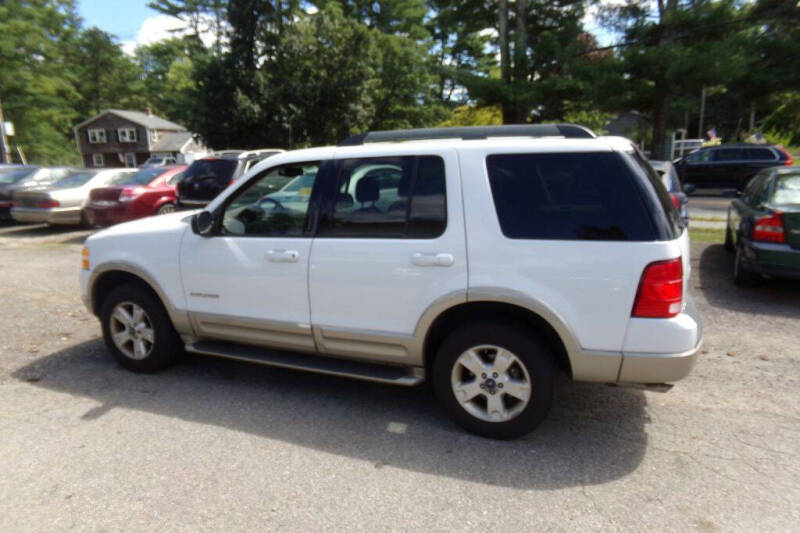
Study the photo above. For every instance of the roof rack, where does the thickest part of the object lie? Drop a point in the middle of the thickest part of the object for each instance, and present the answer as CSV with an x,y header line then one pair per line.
x,y
569,131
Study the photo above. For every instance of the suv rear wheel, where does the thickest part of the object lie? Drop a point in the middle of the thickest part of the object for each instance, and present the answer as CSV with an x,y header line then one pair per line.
x,y
137,329
494,379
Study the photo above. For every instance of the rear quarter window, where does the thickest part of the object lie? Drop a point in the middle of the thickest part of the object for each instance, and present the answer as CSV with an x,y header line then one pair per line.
x,y
568,196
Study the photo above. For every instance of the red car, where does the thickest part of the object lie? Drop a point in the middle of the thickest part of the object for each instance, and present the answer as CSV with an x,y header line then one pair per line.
x,y
151,191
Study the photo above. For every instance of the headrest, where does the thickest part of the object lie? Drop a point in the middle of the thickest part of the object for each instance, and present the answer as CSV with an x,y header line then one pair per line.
x,y
367,190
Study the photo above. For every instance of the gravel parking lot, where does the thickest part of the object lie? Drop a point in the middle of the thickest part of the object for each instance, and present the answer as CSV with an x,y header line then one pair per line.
x,y
214,444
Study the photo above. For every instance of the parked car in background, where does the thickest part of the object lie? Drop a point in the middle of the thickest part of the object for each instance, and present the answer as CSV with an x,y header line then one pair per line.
x,y
729,166
62,201
11,178
484,261
150,191
22,177
208,176
764,227
159,161
670,179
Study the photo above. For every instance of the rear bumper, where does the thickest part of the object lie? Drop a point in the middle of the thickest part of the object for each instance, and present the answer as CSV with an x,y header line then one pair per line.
x,y
682,336
59,215
188,203
771,259
655,351
106,216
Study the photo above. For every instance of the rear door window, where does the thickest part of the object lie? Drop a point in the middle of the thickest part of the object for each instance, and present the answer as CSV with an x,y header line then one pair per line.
x,y
389,197
568,196
220,169
759,154
729,154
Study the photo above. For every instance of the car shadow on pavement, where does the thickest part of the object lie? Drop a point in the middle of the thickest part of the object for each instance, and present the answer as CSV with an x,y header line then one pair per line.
x,y
43,232
595,433
772,296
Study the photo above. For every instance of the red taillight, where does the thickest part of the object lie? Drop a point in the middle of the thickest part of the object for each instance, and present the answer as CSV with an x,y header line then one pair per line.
x,y
769,229
676,201
129,193
47,204
789,159
660,292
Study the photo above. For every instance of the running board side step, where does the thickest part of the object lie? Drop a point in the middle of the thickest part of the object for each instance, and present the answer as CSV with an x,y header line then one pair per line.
x,y
393,375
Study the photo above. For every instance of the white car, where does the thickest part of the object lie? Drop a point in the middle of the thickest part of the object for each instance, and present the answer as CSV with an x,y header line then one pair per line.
x,y
62,201
504,255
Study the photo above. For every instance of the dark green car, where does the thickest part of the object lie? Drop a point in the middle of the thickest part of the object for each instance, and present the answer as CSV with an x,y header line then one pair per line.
x,y
764,227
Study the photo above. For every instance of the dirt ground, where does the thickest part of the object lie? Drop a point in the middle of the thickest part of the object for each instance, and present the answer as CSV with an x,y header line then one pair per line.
x,y
213,444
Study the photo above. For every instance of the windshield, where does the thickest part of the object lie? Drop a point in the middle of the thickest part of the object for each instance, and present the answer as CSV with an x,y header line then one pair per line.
x,y
222,169
306,181
73,180
143,177
14,175
787,190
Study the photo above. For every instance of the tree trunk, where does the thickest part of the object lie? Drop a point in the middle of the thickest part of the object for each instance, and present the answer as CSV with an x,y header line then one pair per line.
x,y
520,61
505,60
660,117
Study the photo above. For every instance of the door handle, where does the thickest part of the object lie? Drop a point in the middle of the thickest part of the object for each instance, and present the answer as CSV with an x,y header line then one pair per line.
x,y
430,260
283,256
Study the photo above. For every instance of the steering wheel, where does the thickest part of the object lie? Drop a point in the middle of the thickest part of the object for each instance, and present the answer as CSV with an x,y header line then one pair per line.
x,y
279,206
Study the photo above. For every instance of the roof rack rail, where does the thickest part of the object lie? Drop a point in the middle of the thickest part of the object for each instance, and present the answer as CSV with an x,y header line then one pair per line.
x,y
570,131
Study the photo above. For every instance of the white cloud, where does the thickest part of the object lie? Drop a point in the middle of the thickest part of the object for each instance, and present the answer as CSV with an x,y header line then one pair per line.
x,y
162,27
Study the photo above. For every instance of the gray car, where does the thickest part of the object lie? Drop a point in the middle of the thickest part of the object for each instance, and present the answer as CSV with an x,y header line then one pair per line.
x,y
62,202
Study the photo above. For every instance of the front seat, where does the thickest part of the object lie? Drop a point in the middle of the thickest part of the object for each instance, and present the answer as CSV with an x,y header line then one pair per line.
x,y
367,191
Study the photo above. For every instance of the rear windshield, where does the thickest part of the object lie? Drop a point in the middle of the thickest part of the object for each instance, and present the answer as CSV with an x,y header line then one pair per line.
x,y
13,175
787,190
568,196
143,177
73,180
222,169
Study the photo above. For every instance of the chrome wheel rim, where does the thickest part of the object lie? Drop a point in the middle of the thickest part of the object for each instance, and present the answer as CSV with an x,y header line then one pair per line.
x,y
131,330
166,209
491,383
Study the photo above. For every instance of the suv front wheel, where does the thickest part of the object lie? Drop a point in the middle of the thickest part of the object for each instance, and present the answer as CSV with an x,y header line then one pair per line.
x,y
494,379
137,329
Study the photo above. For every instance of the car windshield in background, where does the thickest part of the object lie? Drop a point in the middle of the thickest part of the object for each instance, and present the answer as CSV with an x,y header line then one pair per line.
x,y
143,177
73,180
222,169
14,175
787,190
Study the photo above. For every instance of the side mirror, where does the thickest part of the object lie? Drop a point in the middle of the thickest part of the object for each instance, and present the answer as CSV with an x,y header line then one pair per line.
x,y
689,188
203,223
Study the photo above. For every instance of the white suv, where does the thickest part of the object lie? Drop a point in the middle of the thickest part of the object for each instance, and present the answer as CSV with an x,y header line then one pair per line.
x,y
486,259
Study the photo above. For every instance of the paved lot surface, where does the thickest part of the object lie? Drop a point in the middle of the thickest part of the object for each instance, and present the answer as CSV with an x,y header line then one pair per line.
x,y
218,445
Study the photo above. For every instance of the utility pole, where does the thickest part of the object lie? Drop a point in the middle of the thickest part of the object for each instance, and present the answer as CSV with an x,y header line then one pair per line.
x,y
3,141
702,113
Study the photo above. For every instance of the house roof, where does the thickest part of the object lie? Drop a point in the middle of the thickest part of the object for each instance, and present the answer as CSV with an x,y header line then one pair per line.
x,y
172,142
143,119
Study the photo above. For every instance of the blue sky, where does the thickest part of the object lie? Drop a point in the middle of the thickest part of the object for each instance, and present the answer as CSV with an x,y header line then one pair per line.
x,y
126,20
122,18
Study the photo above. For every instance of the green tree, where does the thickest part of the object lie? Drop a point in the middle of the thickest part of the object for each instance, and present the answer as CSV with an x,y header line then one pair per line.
x,y
36,82
104,76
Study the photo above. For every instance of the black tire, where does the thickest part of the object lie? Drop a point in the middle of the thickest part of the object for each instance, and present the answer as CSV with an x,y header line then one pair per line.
x,y
539,364
729,239
742,276
166,348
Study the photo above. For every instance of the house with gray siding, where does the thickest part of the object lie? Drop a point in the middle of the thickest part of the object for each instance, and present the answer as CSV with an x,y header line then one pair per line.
x,y
122,138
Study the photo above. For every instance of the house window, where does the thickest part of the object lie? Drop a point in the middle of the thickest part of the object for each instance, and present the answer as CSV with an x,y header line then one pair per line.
x,y
153,135
98,160
130,160
97,135
127,135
